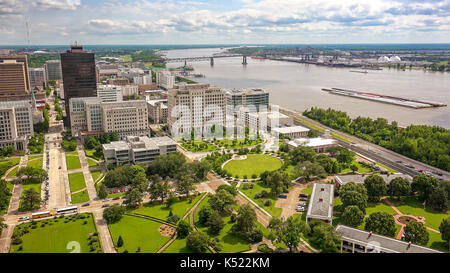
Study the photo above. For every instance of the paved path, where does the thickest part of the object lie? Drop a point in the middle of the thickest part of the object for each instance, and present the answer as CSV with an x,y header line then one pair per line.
x,y
103,232
5,239
90,185
17,190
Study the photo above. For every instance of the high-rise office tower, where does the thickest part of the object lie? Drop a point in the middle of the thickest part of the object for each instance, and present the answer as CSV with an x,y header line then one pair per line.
x,y
53,70
78,71
14,78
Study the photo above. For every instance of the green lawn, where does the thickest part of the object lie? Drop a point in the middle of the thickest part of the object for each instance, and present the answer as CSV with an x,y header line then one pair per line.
x,y
80,197
258,187
55,236
95,175
72,153
307,190
436,241
137,232
411,205
361,168
238,143
76,181
31,157
230,242
73,162
90,153
198,146
36,163
13,172
91,162
158,210
381,206
253,164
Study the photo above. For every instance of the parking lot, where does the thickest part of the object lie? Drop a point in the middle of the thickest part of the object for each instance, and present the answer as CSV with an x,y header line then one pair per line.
x,y
289,204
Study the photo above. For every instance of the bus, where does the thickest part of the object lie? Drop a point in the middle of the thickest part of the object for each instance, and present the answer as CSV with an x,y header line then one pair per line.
x,y
68,210
41,214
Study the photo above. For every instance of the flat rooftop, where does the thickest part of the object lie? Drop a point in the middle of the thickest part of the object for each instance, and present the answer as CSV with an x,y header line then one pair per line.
x,y
321,202
290,130
359,178
140,143
386,244
312,142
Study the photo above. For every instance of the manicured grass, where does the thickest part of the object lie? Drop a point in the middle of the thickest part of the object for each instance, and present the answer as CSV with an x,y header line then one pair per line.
x,y
361,168
31,157
95,175
381,206
90,153
80,197
13,172
72,153
76,181
411,205
436,241
238,143
36,163
137,232
198,146
91,162
35,186
230,242
73,162
158,210
258,187
55,235
307,190
253,164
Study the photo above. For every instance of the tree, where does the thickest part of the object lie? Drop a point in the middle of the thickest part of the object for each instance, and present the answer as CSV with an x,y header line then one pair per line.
x,y
325,237
417,233
113,214
183,229
438,199
278,181
204,214
133,198
102,191
288,232
354,198
31,200
309,169
301,154
185,184
345,156
444,228
399,187
381,223
159,189
354,168
215,223
222,201
352,216
231,189
2,224
120,241
245,220
197,241
424,185
376,187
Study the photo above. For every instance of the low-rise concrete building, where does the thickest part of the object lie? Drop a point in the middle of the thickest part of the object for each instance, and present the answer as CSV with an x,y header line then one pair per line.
x,y
318,144
136,149
321,203
359,178
359,241
292,132
262,121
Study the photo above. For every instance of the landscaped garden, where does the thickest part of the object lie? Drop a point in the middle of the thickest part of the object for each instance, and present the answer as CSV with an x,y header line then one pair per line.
x,y
253,165
197,146
35,163
76,181
95,175
237,143
73,162
80,197
91,162
267,202
57,235
138,234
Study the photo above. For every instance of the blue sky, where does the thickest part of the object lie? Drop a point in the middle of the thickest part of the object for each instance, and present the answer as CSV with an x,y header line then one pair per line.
x,y
232,21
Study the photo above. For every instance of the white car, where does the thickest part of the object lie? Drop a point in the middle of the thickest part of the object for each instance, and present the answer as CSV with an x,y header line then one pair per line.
x,y
300,209
24,218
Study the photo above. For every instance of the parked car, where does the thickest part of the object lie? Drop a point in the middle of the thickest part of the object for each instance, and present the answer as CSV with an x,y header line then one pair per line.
x,y
116,198
303,199
105,206
85,205
301,204
24,218
282,196
300,209
303,195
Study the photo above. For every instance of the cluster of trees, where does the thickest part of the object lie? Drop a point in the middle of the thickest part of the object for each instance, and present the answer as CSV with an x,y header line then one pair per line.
x,y
5,194
58,109
278,182
7,150
435,193
429,144
42,127
146,56
36,143
95,143
215,161
113,214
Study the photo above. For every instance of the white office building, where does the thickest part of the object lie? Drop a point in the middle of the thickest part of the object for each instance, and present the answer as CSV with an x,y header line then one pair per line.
x,y
145,79
109,93
165,79
16,124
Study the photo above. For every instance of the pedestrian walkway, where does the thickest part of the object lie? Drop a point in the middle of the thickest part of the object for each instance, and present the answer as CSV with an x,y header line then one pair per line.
x,y
17,190
103,232
90,185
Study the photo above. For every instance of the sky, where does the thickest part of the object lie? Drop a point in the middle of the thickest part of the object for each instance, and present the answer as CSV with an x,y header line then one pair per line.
x,y
59,22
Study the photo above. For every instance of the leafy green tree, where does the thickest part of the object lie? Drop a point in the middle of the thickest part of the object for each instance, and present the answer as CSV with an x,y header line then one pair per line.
x,y
185,184
399,187
113,214
416,233
277,181
133,198
444,228
345,156
31,200
438,199
376,187
120,241
183,229
215,223
222,202
5,194
197,241
288,232
245,220
231,189
2,223
354,198
309,169
325,237
354,168
381,223
301,154
352,216
424,185
203,215
102,191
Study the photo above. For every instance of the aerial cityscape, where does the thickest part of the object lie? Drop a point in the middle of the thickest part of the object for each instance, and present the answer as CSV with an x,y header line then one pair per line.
x,y
240,127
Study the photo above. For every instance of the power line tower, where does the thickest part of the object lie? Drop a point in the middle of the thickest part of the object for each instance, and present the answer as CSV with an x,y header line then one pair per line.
x,y
28,34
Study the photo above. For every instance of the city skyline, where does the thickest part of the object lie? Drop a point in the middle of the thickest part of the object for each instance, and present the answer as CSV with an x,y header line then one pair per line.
x,y
215,22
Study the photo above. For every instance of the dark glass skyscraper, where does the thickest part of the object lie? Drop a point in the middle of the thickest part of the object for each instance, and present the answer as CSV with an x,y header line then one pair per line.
x,y
78,71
